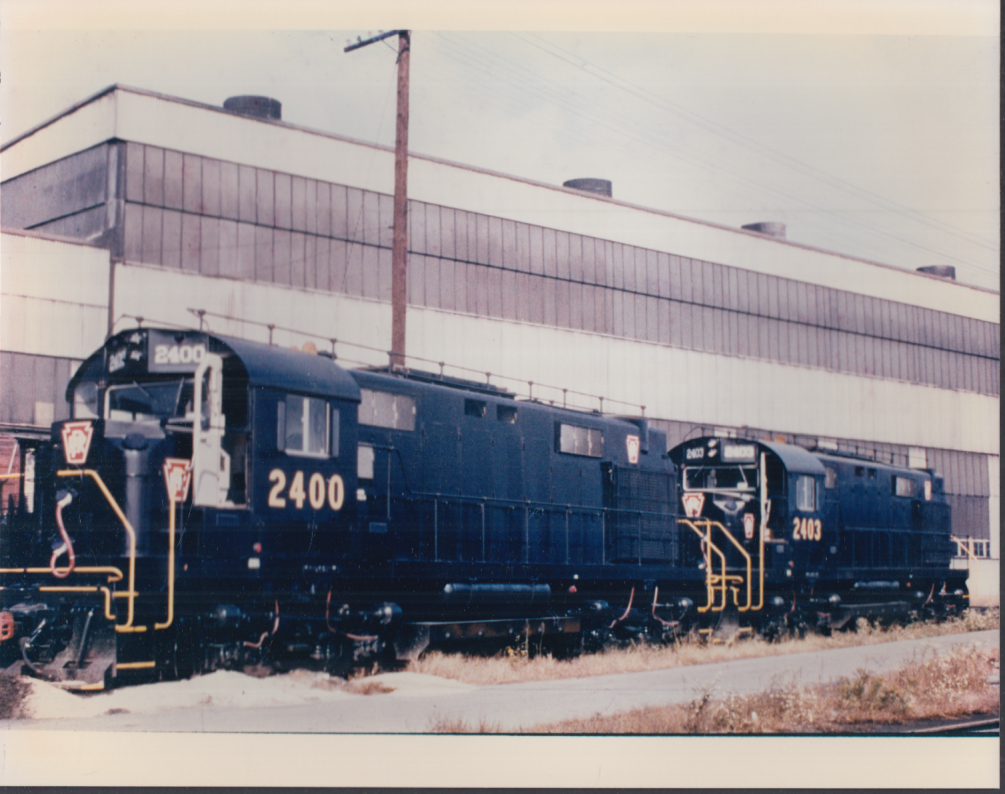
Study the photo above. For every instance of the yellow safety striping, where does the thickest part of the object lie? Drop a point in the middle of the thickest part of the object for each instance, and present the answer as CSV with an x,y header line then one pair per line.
x,y
109,569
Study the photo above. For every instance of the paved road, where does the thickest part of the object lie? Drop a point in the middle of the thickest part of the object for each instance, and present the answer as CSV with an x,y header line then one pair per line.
x,y
510,707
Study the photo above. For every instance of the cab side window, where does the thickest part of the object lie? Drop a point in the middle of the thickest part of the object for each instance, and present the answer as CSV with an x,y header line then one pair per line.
x,y
805,494
306,426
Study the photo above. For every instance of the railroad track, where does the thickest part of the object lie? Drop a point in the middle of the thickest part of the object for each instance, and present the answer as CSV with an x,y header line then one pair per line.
x,y
989,726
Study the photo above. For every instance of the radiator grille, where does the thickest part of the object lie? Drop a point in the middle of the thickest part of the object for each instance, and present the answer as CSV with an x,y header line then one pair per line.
x,y
641,516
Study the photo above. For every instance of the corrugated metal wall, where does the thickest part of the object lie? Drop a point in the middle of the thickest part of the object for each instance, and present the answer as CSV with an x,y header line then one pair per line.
x,y
222,219
67,197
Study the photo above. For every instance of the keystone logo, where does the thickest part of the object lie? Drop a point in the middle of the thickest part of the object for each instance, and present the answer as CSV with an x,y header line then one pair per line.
x,y
176,477
77,442
693,503
632,442
748,526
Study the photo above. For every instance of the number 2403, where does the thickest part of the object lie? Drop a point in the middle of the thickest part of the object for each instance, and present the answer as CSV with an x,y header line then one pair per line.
x,y
317,493
806,529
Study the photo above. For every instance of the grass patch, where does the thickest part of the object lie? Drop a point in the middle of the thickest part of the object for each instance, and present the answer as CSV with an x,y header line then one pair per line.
x,y
932,686
516,667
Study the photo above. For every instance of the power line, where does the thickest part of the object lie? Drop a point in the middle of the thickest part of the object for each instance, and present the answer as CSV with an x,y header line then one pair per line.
x,y
539,87
743,140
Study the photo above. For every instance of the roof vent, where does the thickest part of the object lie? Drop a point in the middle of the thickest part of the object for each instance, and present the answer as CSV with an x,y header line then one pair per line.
x,y
602,187
942,271
258,107
770,228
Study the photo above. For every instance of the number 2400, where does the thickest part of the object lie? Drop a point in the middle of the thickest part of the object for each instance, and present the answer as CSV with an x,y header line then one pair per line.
x,y
318,490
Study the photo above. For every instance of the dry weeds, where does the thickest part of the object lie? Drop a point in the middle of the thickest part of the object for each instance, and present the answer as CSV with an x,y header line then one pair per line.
x,y
931,686
515,666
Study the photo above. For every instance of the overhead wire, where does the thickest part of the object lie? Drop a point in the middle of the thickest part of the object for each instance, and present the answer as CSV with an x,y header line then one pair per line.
x,y
737,137
534,84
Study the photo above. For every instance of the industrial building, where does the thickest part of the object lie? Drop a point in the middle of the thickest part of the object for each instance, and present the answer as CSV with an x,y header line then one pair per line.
x,y
137,207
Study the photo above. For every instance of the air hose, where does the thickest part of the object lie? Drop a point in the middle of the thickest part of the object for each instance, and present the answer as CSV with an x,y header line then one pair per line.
x,y
66,545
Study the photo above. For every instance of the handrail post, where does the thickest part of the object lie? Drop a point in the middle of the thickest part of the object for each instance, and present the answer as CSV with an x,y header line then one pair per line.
x,y
640,538
603,535
170,581
526,532
567,534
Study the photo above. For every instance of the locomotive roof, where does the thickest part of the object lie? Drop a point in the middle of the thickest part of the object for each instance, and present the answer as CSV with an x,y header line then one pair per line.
x,y
795,459
268,365
265,365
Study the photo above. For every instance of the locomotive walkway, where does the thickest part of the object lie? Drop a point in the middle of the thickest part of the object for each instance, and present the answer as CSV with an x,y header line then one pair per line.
x,y
420,702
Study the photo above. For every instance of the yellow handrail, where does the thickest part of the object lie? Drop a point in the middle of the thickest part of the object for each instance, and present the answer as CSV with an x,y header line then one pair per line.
x,y
724,579
111,570
708,564
128,625
711,578
743,551
170,604
10,476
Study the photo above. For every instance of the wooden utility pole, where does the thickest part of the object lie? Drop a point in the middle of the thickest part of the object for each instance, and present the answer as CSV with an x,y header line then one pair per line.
x,y
399,242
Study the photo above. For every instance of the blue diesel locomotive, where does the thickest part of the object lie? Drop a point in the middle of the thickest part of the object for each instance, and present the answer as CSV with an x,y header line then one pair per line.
x,y
216,503
823,536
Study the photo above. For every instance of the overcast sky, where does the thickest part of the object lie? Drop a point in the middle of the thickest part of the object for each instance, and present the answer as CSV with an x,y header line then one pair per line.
x,y
883,146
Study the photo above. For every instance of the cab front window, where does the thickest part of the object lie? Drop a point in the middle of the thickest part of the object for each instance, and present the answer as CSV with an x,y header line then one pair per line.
x,y
149,401
720,478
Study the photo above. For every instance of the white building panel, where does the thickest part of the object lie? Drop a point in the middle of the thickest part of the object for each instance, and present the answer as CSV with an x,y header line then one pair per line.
x,y
994,504
53,296
194,128
50,328
175,124
164,296
37,267
87,125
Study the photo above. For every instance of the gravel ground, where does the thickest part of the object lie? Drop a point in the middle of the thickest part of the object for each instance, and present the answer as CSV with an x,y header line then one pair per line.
x,y
307,702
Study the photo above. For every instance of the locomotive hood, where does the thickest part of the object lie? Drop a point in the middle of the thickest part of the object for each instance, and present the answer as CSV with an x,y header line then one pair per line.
x,y
265,365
